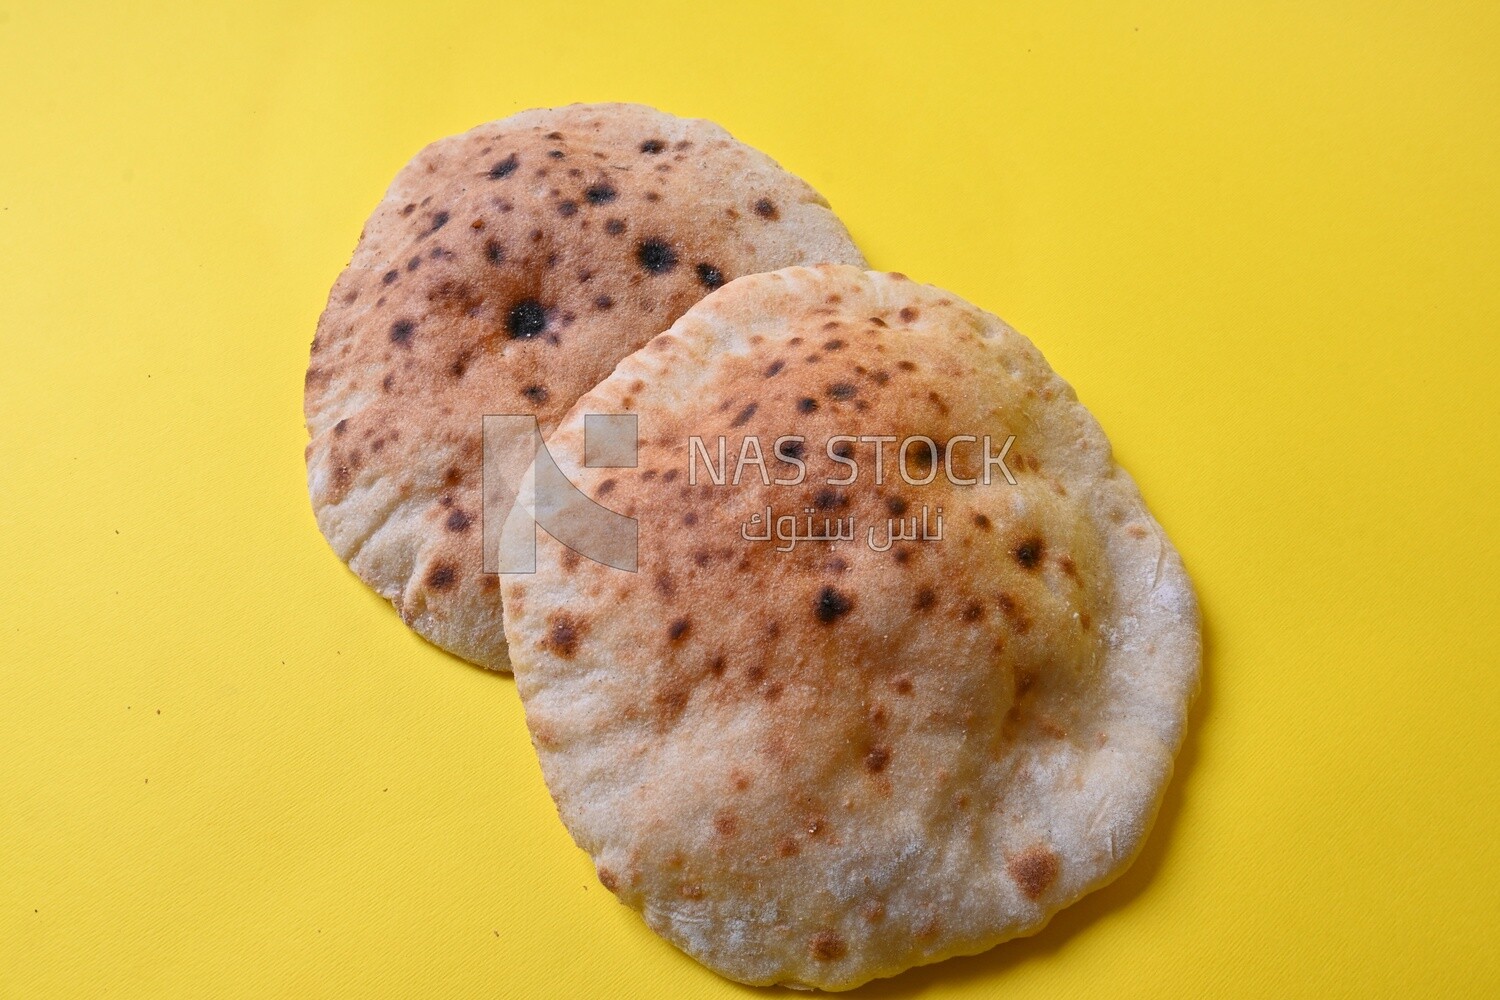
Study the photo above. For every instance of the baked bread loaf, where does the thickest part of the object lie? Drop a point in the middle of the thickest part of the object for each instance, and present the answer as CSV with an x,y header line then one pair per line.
x,y
814,757
507,271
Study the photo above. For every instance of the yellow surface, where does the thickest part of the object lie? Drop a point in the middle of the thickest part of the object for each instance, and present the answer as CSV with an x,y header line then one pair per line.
x,y
1260,240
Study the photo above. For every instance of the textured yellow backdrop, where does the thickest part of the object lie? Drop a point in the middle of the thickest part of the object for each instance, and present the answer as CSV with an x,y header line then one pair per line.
x,y
1260,239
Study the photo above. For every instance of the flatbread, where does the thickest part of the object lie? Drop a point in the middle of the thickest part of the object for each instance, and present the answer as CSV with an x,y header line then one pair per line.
x,y
506,271
818,766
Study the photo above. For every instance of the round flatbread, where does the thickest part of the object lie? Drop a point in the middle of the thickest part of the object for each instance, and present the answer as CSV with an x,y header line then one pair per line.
x,y
819,737
507,271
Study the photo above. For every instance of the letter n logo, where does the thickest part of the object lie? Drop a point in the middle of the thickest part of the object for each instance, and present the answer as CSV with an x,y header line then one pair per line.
x,y
524,489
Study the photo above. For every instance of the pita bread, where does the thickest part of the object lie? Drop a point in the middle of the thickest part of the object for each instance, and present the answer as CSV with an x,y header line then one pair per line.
x,y
818,766
507,271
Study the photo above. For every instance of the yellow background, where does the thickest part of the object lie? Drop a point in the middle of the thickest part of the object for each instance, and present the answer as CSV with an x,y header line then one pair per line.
x,y
1260,239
